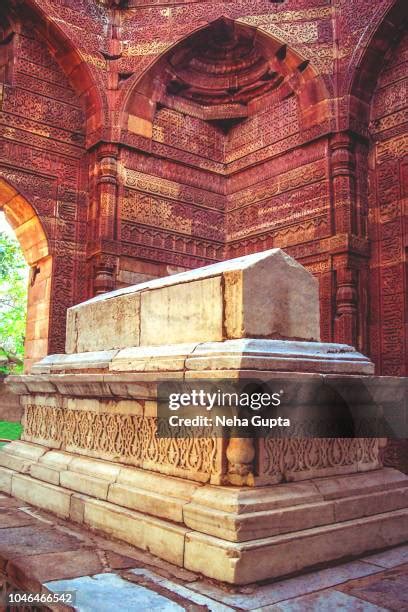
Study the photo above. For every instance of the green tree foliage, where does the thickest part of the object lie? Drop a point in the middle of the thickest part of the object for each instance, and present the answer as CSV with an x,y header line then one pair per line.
x,y
13,303
9,431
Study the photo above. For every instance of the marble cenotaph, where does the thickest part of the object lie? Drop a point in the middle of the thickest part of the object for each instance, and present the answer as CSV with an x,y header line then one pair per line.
x,y
237,510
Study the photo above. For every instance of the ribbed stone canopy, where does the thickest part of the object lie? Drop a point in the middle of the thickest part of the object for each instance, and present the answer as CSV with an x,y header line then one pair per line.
x,y
222,72
226,63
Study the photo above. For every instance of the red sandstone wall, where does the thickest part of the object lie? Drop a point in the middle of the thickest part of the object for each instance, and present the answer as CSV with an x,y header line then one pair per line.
x,y
42,157
387,217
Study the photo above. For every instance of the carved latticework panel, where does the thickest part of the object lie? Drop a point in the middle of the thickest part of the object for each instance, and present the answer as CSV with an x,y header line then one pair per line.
x,y
124,438
133,440
299,459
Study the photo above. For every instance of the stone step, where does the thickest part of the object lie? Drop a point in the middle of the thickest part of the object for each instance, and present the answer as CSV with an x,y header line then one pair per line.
x,y
150,493
254,525
234,562
252,513
237,535
241,514
243,563
233,514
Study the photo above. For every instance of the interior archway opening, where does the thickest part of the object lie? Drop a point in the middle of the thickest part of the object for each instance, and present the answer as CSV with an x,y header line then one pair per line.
x,y
14,273
30,234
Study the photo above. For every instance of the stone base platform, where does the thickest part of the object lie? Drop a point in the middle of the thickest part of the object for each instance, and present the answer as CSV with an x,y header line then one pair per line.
x,y
237,535
41,553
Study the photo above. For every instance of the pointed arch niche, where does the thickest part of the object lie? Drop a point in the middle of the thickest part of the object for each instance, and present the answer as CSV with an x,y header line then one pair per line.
x,y
34,243
225,73
206,130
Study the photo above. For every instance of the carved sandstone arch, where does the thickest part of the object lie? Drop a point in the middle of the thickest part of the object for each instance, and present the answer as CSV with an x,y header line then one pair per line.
x,y
375,47
35,246
73,61
226,70
377,110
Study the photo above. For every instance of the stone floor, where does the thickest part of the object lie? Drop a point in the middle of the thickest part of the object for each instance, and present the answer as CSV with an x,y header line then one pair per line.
x,y
39,553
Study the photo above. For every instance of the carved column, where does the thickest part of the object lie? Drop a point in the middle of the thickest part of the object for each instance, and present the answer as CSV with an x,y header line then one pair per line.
x,y
347,229
107,193
343,183
345,321
104,275
107,157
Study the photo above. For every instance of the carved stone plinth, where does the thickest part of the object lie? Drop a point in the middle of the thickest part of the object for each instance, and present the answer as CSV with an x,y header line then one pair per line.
x,y
236,509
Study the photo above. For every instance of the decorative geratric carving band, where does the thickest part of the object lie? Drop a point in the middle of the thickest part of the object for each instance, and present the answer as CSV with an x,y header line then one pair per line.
x,y
133,440
283,456
124,438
